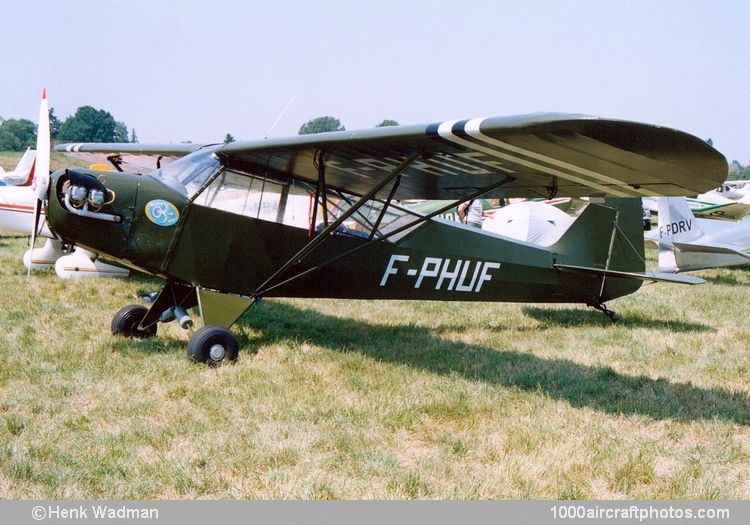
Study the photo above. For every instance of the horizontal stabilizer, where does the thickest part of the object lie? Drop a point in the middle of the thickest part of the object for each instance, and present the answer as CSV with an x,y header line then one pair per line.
x,y
641,276
710,248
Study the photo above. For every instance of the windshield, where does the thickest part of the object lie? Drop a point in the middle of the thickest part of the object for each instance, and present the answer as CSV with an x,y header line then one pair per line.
x,y
187,175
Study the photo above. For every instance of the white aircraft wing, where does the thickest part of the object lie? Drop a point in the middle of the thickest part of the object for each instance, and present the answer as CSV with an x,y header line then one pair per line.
x,y
708,247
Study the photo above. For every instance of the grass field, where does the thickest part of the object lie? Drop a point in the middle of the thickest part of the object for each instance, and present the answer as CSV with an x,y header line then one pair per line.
x,y
362,399
9,160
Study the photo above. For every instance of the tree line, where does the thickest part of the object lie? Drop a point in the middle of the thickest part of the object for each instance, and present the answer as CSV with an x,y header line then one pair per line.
x,y
738,172
87,124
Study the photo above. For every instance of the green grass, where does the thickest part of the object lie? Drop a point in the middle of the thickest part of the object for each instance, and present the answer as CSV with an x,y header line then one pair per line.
x,y
364,399
9,160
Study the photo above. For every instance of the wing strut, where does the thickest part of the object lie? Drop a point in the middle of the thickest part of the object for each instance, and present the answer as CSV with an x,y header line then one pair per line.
x,y
265,288
320,191
385,206
329,229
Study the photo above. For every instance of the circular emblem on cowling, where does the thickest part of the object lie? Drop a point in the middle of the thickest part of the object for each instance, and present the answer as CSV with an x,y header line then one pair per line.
x,y
162,213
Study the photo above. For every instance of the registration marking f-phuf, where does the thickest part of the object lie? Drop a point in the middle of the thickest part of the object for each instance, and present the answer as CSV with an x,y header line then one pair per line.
x,y
463,275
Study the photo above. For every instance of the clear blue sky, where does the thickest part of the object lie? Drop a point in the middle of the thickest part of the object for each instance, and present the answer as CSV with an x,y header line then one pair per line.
x,y
189,70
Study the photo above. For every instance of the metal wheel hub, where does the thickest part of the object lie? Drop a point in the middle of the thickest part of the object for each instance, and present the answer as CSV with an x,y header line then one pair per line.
x,y
217,352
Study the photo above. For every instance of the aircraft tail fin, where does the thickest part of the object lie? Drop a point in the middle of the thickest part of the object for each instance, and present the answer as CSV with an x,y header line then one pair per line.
x,y
677,224
607,238
23,174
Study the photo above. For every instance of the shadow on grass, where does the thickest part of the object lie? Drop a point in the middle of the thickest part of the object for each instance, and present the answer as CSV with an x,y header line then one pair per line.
x,y
730,279
571,317
599,388
738,275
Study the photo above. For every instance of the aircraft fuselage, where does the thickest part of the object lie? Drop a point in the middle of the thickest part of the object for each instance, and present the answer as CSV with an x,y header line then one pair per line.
x,y
160,231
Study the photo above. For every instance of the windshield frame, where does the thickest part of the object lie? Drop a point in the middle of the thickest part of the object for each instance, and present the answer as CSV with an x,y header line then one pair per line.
x,y
188,175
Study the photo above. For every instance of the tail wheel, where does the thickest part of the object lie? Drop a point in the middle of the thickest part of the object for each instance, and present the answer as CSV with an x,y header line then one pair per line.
x,y
213,345
126,321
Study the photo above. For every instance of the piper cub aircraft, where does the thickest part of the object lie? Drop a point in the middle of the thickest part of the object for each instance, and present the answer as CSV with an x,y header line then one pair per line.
x,y
317,216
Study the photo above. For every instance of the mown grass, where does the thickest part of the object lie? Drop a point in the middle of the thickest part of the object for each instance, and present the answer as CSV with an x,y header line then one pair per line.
x,y
364,399
9,160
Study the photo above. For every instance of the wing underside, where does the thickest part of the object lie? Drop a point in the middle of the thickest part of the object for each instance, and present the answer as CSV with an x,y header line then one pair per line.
x,y
528,156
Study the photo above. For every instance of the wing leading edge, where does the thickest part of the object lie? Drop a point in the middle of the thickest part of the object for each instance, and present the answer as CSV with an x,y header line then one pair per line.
x,y
134,157
536,155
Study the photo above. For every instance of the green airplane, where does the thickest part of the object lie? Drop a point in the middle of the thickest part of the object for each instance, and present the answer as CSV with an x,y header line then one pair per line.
x,y
317,216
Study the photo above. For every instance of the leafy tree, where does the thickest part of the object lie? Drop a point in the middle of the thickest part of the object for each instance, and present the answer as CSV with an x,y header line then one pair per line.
x,y
121,132
738,172
92,125
321,125
387,122
17,135
228,138
710,141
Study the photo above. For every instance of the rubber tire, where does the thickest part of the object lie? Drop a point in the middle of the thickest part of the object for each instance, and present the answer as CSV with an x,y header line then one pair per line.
x,y
200,345
126,321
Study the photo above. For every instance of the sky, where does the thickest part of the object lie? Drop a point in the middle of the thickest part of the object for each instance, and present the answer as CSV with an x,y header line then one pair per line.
x,y
197,70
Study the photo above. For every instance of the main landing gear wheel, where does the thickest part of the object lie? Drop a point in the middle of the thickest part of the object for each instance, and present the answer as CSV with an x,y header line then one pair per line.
x,y
126,321
213,345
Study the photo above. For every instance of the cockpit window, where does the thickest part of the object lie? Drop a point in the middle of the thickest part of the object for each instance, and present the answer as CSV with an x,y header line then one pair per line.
x,y
287,201
188,174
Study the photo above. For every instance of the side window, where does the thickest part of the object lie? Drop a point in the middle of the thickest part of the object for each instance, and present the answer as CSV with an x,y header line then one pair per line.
x,y
244,195
296,205
293,204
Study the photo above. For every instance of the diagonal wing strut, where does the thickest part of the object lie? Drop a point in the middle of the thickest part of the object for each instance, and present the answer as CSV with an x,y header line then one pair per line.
x,y
268,286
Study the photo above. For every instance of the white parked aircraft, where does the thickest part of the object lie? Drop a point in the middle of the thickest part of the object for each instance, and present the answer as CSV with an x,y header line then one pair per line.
x,y
686,243
23,174
731,201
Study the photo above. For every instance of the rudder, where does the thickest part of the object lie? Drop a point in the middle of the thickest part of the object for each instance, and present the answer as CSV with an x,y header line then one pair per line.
x,y
608,236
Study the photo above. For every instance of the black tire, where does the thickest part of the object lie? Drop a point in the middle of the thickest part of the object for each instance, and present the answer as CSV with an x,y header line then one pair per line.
x,y
126,321
213,345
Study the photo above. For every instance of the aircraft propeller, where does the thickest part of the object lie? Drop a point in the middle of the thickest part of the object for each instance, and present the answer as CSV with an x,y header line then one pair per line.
x,y
41,176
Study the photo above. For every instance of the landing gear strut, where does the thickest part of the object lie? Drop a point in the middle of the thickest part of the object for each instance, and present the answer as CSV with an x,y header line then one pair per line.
x,y
606,311
212,344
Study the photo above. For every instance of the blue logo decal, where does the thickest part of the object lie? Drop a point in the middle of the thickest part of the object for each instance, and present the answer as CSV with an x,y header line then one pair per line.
x,y
162,213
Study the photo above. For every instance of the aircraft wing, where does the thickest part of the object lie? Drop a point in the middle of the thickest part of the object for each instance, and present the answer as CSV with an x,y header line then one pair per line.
x,y
724,210
542,155
711,248
129,156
